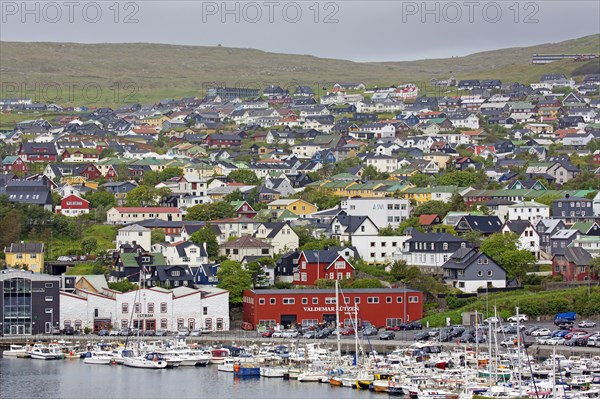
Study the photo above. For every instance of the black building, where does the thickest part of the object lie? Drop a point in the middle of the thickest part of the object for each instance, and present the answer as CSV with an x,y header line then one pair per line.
x,y
30,302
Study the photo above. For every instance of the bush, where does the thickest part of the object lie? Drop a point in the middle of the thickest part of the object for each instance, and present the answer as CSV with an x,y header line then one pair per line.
x,y
283,285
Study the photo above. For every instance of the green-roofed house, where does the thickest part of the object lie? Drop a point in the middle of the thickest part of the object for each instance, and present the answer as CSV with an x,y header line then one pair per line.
x,y
129,265
587,228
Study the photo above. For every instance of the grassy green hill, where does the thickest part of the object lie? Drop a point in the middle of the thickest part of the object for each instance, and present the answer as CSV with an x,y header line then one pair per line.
x,y
146,72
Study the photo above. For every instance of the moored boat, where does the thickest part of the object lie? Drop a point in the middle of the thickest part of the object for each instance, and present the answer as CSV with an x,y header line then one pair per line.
x,y
16,351
94,357
151,360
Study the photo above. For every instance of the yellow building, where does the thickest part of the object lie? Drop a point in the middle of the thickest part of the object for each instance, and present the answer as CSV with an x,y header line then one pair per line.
x,y
25,255
296,206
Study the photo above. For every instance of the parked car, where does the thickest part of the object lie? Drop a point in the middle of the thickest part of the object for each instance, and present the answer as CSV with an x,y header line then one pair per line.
x,y
267,334
556,341
160,333
586,324
593,340
414,325
114,333
532,329
64,259
422,336
103,333
369,331
324,333
509,342
348,331
149,333
310,334
541,332
387,335
565,325
542,340
124,332
196,333
522,318
289,334
521,326
397,327
183,332
68,330
434,332
492,320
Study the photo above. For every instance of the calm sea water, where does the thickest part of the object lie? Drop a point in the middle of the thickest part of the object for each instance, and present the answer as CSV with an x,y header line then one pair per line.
x,y
26,378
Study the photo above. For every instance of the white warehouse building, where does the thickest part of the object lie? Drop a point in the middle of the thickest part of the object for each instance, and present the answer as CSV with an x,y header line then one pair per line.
x,y
383,212
155,308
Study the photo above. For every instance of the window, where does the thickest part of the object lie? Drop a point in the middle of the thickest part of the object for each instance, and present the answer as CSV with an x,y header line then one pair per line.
x,y
289,301
49,299
124,323
272,301
356,299
315,301
372,299
303,277
330,301
490,273
163,307
304,301
348,275
176,273
388,299
48,310
340,265
150,307
445,246
49,285
413,299
480,273
163,324
398,299
347,300
137,307
261,301
303,265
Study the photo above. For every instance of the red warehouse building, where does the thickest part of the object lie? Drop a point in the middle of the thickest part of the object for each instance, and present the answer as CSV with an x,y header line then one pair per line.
x,y
381,306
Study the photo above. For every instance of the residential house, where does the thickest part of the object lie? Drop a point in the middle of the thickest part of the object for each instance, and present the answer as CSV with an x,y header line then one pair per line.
x,y
486,225
245,246
382,212
280,235
322,264
28,256
296,206
123,215
560,240
529,239
73,206
134,235
243,209
38,152
546,228
573,265
469,270
429,251
573,209
182,253
528,210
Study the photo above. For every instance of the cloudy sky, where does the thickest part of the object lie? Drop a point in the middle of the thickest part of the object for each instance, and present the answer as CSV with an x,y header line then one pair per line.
x,y
356,30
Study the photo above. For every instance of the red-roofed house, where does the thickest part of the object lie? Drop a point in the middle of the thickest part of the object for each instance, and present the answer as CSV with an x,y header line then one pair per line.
x,y
123,215
429,220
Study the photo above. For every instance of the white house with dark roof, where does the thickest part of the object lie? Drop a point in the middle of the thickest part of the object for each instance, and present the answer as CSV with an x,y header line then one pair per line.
x,y
529,239
468,270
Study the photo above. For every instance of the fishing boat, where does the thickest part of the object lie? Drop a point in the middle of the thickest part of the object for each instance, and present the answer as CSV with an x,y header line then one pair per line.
x,y
273,371
151,360
227,365
94,357
16,351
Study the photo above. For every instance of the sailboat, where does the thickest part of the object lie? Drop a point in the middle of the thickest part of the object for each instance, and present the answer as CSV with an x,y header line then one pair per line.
x,y
151,360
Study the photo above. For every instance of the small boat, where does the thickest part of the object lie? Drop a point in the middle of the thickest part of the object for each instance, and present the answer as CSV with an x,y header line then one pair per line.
x,y
226,365
245,370
94,357
151,360
273,371
16,351
311,376
42,353
218,356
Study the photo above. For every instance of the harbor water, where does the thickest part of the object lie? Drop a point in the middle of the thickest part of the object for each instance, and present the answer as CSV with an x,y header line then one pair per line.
x,y
71,378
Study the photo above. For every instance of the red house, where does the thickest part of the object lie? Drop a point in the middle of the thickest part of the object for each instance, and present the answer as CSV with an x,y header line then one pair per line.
x,y
89,171
38,152
242,208
316,265
15,164
73,206
596,158
81,155
383,307
223,140
574,265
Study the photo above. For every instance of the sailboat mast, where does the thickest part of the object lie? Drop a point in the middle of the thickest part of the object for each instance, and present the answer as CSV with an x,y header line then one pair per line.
x,y
337,320
519,358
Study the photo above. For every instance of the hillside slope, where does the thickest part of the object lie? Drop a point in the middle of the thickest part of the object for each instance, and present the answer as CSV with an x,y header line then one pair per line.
x,y
152,71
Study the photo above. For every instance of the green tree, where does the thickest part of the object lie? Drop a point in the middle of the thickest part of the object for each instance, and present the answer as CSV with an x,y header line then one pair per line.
x,y
457,203
146,196
421,179
10,226
366,283
321,198
169,173
398,269
257,271
89,245
504,249
439,208
100,198
235,279
212,211
321,244
371,173
157,236
208,236
123,286
244,176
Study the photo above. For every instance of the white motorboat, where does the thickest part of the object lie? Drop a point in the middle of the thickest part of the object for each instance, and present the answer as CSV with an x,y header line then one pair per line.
x,y
151,360
98,358
42,353
16,351
218,356
273,371
227,365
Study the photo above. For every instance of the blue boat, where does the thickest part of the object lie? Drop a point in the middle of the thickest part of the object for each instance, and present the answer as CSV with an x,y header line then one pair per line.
x,y
245,371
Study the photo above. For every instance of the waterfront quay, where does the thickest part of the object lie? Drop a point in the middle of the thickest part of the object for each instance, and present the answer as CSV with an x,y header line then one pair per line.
x,y
248,338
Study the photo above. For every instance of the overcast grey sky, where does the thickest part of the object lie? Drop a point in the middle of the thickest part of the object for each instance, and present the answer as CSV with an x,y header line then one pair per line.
x,y
356,30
